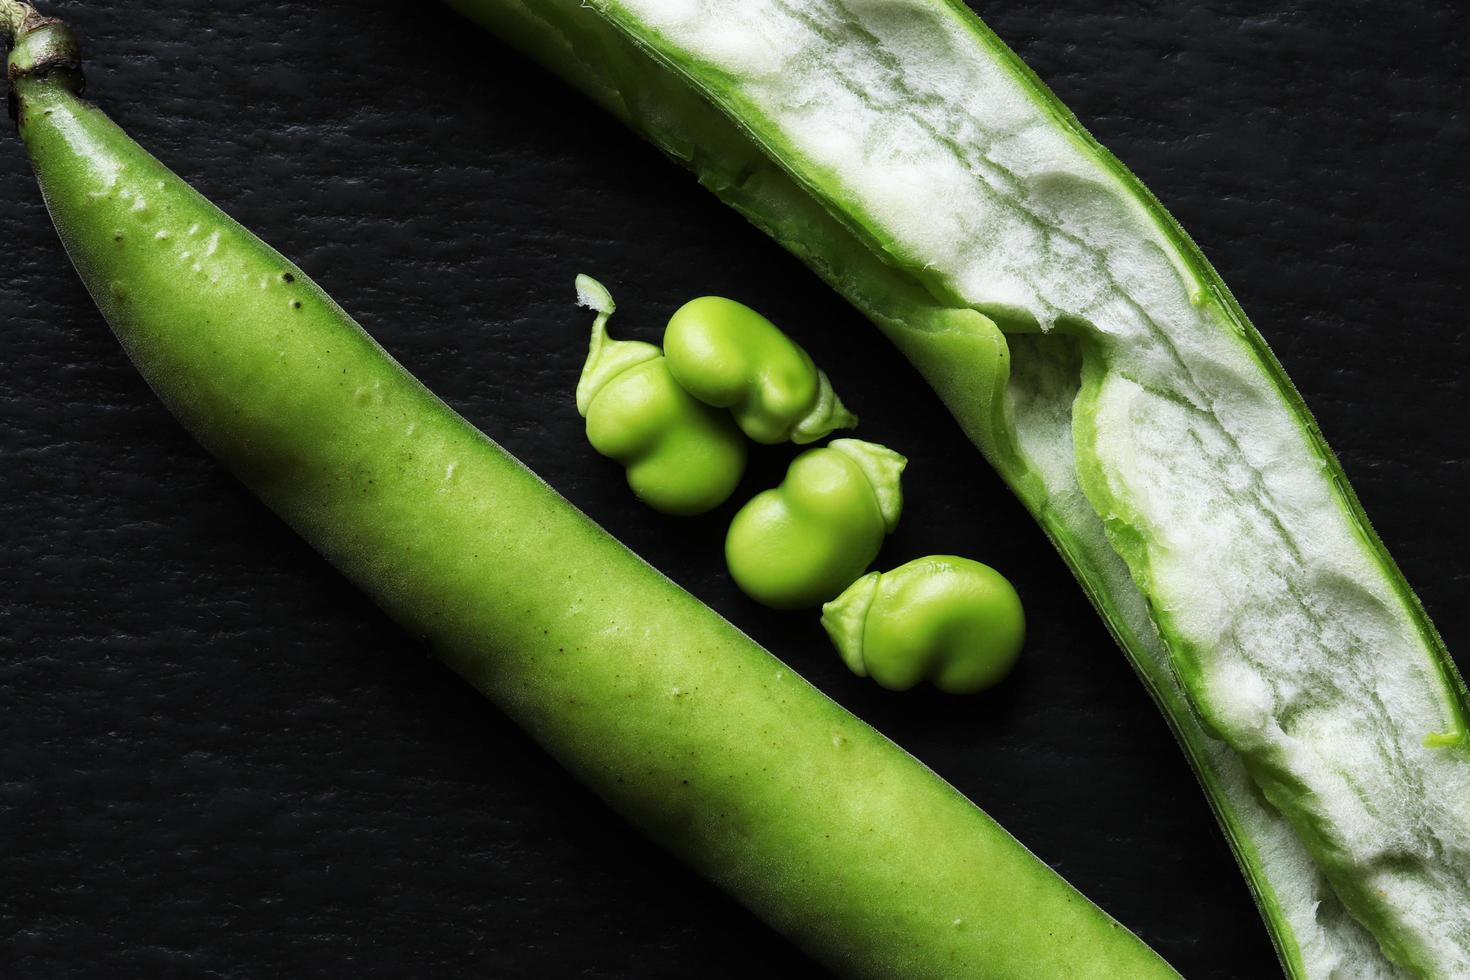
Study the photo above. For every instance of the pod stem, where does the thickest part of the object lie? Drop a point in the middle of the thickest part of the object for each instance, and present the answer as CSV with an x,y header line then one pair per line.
x,y
17,18
41,48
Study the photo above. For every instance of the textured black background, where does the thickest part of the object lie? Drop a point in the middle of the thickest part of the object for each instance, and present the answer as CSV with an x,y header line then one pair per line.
x,y
217,759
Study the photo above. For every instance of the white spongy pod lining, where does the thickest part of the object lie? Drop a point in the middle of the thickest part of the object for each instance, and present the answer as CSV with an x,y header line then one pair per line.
x,y
1309,663
1331,944
1304,656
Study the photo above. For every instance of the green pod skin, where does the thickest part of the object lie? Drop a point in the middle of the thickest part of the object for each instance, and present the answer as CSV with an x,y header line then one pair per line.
x,y
728,355
682,457
799,544
948,620
708,743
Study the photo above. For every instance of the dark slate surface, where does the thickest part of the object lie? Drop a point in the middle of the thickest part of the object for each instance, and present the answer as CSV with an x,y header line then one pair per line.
x,y
216,759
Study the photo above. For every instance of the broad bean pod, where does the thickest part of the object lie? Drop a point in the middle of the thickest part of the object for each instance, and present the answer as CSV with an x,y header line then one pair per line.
x,y
682,457
801,543
948,620
728,355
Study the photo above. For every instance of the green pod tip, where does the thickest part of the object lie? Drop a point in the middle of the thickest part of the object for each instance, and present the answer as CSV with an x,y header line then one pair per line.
x,y
42,48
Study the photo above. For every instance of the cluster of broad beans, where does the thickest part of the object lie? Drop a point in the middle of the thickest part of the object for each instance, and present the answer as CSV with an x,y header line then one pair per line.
x,y
678,419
